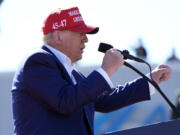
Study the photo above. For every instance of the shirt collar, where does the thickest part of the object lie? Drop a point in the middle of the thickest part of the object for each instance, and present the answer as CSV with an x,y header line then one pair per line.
x,y
63,58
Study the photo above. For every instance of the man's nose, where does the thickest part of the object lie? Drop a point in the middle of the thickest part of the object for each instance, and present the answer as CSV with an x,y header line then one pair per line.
x,y
84,38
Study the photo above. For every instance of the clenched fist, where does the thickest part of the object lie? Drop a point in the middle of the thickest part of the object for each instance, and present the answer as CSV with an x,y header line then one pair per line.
x,y
161,73
112,61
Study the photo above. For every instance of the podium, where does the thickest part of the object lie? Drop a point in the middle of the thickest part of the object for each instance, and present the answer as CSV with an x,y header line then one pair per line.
x,y
165,128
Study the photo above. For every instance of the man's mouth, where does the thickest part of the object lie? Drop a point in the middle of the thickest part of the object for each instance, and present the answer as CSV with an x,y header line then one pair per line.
x,y
82,48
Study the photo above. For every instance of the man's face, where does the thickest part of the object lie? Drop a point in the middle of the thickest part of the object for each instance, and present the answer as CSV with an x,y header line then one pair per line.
x,y
73,44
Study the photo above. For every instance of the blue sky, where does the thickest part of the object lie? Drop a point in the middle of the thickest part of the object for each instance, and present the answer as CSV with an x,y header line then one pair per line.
x,y
121,22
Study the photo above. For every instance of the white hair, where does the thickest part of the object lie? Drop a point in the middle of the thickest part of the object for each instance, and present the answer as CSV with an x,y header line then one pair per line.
x,y
47,38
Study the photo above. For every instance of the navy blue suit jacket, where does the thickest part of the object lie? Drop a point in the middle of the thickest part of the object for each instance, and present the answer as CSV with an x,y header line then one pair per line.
x,y
45,101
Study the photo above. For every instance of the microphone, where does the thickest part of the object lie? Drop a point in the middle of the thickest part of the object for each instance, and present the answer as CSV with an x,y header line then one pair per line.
x,y
103,47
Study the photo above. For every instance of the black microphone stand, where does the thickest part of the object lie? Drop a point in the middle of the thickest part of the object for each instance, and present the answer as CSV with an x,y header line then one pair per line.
x,y
104,47
155,85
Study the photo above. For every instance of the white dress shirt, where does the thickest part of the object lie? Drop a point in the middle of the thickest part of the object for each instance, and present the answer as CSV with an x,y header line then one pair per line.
x,y
66,61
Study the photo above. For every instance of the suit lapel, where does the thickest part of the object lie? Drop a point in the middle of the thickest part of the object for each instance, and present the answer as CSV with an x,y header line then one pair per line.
x,y
59,65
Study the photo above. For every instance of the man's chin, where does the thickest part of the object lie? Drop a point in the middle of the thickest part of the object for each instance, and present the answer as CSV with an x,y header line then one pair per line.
x,y
78,59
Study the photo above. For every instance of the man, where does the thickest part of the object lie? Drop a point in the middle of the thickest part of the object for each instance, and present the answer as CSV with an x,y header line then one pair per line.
x,y
51,98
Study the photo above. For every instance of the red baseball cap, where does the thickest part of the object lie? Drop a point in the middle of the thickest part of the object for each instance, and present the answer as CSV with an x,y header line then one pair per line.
x,y
68,19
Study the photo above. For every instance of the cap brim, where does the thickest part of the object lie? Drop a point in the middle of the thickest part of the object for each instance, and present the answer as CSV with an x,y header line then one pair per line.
x,y
85,29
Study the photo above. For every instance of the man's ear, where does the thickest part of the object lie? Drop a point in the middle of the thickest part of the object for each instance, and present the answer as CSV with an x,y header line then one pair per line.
x,y
57,36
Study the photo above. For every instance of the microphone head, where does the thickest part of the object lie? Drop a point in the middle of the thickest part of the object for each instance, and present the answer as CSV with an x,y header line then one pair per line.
x,y
103,47
125,52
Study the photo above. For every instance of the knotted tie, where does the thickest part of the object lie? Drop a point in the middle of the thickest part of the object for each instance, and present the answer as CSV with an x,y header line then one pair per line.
x,y
77,76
